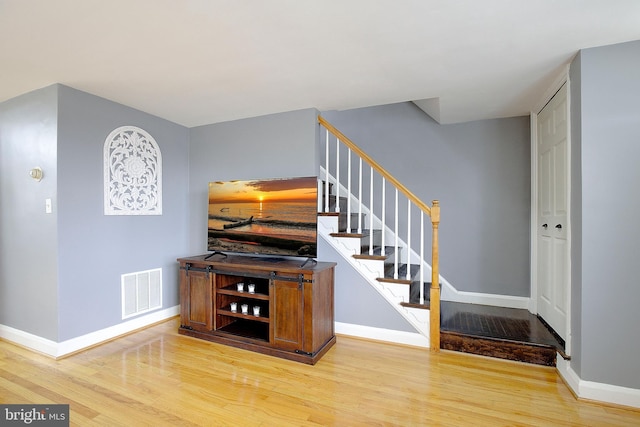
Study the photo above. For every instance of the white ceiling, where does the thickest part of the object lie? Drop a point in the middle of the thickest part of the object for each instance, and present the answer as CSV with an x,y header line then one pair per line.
x,y
196,62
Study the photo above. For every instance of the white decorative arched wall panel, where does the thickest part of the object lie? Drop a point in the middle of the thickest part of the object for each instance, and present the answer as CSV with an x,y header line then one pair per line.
x,y
132,173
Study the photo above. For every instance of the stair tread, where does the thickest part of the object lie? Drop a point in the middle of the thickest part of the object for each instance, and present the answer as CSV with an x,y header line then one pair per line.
x,y
424,306
362,234
364,231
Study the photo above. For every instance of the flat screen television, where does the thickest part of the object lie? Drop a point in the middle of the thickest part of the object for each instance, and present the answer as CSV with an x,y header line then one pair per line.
x,y
277,217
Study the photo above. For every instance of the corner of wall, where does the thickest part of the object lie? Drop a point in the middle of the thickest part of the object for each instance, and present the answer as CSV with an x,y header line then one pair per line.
x,y
600,392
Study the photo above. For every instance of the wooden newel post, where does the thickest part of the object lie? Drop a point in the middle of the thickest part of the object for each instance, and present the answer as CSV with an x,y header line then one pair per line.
x,y
434,292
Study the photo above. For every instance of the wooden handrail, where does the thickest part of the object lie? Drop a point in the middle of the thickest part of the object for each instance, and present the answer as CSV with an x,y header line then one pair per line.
x,y
346,141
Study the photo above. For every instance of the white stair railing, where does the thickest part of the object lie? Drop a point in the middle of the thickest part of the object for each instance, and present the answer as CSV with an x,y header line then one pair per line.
x,y
334,173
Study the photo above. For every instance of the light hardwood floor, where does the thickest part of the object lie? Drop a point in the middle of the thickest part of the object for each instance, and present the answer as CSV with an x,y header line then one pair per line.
x,y
156,377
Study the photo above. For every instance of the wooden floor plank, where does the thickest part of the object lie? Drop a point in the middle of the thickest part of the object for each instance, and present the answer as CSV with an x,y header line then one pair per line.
x,y
158,377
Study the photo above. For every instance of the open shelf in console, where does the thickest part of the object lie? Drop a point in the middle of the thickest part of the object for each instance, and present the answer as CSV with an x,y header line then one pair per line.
x,y
247,329
260,294
242,285
262,317
254,292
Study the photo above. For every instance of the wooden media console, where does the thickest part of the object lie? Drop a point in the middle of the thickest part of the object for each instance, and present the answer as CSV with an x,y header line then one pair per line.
x,y
294,317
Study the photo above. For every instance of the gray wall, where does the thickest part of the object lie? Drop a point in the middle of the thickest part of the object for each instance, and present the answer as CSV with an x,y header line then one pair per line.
x,y
607,294
28,236
576,211
94,249
480,172
273,146
61,271
277,145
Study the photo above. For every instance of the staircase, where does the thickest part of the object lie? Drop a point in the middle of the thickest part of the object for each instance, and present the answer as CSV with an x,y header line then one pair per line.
x,y
377,269
370,240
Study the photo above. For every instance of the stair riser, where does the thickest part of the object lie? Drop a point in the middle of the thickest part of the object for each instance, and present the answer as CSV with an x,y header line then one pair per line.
x,y
414,292
377,239
342,225
498,349
332,203
342,221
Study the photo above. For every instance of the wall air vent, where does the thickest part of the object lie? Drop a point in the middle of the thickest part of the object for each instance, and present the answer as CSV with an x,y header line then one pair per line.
x,y
141,292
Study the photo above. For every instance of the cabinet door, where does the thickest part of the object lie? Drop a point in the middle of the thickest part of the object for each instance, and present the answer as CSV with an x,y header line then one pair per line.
x,y
287,314
197,298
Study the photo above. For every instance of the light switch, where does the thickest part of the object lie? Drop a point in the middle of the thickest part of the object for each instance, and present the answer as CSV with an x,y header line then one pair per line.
x,y
47,206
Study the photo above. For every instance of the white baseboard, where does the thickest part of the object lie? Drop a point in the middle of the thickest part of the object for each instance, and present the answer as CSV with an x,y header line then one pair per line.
x,y
600,392
53,349
449,293
380,334
30,341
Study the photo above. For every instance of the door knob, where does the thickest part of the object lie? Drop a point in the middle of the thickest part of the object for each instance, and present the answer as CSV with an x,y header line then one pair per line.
x,y
559,226
544,226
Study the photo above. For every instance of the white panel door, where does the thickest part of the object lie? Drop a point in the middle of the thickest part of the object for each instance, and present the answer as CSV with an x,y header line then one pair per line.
x,y
552,227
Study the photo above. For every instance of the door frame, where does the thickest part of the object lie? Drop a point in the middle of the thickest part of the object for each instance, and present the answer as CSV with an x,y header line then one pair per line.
x,y
547,96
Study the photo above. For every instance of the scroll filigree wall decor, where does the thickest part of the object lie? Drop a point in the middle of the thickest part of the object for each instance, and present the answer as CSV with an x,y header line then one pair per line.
x,y
132,173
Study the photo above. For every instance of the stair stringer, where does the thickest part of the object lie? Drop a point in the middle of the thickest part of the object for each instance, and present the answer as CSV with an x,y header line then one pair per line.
x,y
350,246
371,270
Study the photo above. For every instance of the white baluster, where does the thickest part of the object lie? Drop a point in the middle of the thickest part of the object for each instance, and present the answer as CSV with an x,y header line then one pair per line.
x,y
326,174
360,197
371,211
408,239
319,185
395,263
384,213
349,191
421,257
338,175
